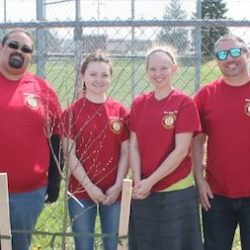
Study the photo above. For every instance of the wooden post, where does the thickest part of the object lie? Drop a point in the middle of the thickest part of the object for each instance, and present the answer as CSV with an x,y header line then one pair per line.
x,y
4,213
125,212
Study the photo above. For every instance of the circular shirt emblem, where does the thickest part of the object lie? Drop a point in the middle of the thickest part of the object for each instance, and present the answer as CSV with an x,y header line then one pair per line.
x,y
247,108
168,121
116,126
32,102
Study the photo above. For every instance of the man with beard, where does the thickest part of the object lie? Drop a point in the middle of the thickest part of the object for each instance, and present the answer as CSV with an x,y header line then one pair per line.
x,y
224,107
30,114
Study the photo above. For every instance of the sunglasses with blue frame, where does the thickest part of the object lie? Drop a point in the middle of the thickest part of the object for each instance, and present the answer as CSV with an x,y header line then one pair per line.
x,y
222,55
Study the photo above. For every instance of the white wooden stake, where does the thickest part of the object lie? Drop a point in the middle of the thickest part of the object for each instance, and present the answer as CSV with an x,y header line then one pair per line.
x,y
4,213
125,212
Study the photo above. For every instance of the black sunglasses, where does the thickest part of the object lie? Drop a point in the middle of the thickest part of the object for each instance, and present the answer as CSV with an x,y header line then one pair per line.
x,y
222,55
15,45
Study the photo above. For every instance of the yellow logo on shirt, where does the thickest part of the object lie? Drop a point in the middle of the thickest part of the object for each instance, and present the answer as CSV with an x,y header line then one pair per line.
x,y
168,120
247,108
32,101
116,126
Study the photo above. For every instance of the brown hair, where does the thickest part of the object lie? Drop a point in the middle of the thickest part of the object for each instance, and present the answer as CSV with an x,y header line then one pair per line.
x,y
95,56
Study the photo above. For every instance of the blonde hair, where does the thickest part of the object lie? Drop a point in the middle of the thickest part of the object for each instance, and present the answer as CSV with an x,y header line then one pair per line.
x,y
230,37
168,50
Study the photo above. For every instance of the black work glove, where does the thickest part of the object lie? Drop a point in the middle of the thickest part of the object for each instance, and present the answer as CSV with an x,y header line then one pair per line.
x,y
54,175
52,193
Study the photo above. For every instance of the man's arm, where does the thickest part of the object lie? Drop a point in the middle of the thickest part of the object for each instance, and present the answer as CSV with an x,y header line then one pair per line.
x,y
199,157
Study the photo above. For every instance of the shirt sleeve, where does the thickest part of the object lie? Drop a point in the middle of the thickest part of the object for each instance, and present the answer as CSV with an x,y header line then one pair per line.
x,y
188,117
67,124
53,111
132,116
126,117
199,100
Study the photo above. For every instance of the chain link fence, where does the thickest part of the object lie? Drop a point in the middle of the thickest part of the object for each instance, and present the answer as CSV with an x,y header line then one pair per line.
x,y
66,30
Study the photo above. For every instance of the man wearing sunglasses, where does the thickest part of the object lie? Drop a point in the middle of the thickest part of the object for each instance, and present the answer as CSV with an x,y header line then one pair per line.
x,y
30,114
224,107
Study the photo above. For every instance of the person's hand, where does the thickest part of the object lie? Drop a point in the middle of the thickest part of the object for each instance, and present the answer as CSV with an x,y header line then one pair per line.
x,y
205,193
112,195
142,189
96,194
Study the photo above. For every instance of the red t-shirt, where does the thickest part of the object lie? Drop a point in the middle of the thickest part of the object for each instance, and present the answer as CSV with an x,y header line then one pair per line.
x,y
98,130
30,114
225,118
156,123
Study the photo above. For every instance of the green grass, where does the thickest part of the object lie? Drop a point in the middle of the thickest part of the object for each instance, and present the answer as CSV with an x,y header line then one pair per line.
x,y
125,86
129,79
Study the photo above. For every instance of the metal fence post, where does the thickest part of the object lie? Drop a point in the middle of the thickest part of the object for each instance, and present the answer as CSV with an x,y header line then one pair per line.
x,y
4,11
198,48
40,41
78,49
132,50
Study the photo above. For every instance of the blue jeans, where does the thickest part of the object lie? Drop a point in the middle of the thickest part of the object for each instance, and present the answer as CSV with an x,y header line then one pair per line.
x,y
221,220
83,221
24,211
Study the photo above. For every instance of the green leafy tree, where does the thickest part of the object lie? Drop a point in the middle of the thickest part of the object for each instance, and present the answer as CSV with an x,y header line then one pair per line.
x,y
212,9
174,36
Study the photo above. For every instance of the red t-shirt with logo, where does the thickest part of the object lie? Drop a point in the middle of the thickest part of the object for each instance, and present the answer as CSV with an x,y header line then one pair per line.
x,y
156,123
225,118
30,114
98,130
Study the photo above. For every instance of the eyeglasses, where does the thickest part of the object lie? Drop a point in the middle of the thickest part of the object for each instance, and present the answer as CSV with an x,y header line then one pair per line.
x,y
15,45
222,55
